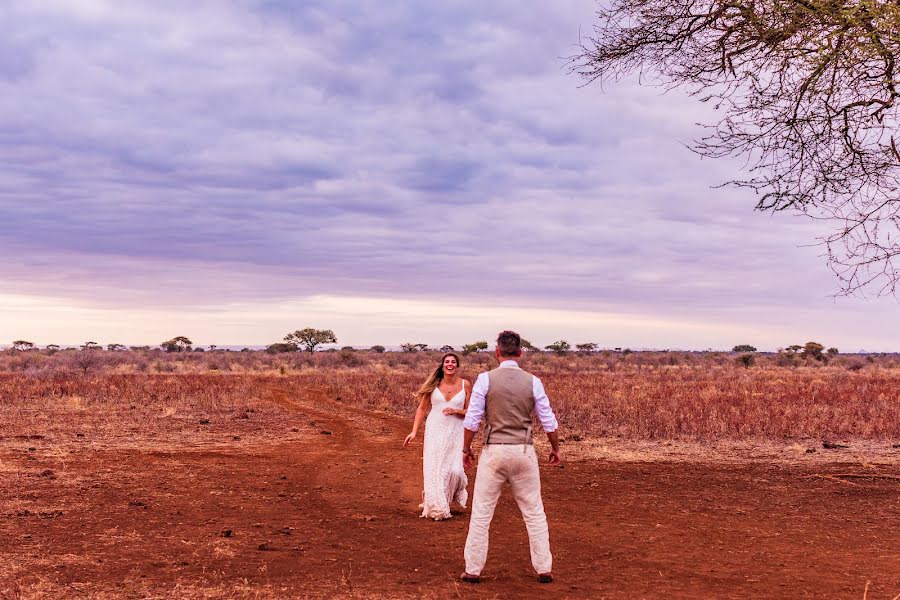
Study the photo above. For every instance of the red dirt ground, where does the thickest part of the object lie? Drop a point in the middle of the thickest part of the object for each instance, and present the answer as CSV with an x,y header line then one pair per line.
x,y
316,514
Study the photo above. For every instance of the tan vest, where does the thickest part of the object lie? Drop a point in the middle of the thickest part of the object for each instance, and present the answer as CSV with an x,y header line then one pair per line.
x,y
508,406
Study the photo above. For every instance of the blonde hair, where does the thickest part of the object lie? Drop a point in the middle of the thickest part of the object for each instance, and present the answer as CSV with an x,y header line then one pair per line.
x,y
435,378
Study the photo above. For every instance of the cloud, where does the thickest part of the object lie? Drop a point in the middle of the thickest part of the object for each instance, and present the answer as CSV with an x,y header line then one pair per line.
x,y
162,154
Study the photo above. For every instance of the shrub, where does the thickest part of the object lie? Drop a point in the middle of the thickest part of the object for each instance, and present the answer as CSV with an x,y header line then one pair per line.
x,y
855,365
743,348
747,360
813,350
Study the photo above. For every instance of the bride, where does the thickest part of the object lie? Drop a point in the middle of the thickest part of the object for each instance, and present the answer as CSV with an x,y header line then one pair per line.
x,y
444,398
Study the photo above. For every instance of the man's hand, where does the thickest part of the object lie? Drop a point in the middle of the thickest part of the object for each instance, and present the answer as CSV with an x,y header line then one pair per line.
x,y
409,439
553,438
555,460
468,459
450,411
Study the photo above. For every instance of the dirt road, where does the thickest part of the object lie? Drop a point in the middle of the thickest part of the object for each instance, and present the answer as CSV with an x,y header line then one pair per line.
x,y
330,511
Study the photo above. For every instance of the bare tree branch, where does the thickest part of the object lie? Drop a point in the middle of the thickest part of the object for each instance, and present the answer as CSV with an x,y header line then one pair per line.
x,y
808,93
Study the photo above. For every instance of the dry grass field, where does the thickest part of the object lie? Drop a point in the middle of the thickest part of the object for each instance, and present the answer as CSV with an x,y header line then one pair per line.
x,y
244,474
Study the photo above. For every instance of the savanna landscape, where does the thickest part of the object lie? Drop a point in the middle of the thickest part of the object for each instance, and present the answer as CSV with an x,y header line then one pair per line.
x,y
645,173
151,474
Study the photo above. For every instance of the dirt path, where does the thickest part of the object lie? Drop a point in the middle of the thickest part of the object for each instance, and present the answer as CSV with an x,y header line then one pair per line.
x,y
332,512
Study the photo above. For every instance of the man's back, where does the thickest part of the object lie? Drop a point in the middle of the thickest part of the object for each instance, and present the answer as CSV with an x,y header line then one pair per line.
x,y
508,405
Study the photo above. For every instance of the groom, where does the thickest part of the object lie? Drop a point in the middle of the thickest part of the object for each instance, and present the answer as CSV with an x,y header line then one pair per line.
x,y
507,395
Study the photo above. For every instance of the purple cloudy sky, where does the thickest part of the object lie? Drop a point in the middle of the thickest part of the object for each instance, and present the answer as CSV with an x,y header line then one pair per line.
x,y
394,171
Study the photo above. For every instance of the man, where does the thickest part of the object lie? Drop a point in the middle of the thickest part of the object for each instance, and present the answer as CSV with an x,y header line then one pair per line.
x,y
507,396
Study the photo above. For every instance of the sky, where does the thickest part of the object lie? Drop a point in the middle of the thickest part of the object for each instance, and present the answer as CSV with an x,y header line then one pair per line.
x,y
393,171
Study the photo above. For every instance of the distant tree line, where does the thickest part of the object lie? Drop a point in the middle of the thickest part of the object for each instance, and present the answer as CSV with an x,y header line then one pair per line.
x,y
311,339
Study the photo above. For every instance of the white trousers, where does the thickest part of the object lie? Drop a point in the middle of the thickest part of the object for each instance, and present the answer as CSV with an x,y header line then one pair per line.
x,y
518,465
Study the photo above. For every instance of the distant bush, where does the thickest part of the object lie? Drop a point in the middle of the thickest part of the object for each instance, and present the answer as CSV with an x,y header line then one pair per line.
x,y
281,348
475,347
559,347
813,350
746,360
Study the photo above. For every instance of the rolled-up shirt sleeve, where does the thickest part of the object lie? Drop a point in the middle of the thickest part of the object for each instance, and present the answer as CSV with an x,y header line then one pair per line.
x,y
476,403
542,407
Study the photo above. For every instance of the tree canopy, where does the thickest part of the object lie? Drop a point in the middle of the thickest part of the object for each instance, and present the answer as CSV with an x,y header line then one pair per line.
x,y
309,338
560,347
808,94
177,344
475,347
744,348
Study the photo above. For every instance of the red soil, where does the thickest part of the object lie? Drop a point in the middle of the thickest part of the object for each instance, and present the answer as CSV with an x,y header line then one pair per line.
x,y
331,511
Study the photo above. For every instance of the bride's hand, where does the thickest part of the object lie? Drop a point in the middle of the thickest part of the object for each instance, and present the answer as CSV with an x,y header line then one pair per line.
x,y
450,411
409,439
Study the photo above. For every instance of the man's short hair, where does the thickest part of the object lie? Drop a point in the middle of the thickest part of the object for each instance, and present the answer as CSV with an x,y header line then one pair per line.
x,y
509,343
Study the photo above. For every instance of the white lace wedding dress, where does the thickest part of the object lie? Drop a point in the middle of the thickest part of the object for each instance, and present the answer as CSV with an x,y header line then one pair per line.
x,y
445,477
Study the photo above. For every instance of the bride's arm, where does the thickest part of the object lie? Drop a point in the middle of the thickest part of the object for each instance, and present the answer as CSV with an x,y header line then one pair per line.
x,y
424,407
462,413
456,412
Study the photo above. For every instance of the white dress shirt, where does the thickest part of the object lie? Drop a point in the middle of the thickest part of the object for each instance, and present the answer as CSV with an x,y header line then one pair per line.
x,y
479,391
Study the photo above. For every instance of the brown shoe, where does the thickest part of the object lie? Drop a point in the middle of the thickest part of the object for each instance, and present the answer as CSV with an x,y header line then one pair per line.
x,y
470,578
545,578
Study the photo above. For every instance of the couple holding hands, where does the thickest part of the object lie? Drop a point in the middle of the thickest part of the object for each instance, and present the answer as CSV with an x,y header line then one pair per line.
x,y
453,410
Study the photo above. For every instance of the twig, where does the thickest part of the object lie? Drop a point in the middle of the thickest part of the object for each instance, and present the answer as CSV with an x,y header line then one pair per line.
x,y
832,477
841,477
348,578
867,476
866,591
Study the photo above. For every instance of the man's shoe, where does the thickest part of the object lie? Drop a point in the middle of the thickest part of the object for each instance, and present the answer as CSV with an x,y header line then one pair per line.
x,y
470,578
545,578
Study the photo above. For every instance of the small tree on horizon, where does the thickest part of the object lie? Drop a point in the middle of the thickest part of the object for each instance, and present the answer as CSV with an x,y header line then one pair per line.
x,y
177,344
475,347
91,346
586,347
743,348
528,346
377,348
22,345
410,347
559,347
813,350
310,338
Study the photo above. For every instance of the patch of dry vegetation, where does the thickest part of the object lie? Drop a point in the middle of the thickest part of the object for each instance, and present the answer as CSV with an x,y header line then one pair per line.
x,y
644,396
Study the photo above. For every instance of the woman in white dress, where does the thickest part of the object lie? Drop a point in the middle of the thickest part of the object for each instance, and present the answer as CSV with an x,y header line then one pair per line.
x,y
443,398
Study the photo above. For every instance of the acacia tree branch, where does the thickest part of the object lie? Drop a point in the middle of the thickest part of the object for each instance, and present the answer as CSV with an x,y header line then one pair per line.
x,y
808,96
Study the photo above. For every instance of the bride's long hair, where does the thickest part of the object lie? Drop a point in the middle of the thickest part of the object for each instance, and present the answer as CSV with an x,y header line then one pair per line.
x,y
437,377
